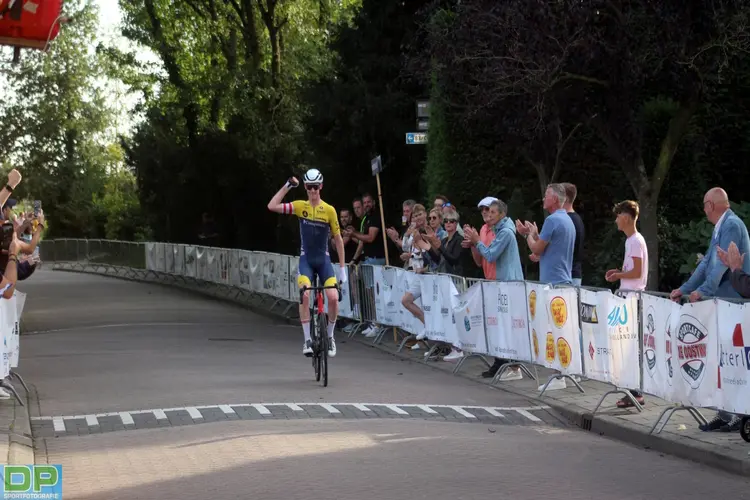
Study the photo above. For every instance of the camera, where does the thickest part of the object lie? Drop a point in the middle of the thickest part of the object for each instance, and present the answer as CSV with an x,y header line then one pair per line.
x,y
7,232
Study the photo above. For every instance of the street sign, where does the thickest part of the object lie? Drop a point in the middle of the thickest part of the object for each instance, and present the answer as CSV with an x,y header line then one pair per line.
x,y
423,108
423,124
376,164
416,138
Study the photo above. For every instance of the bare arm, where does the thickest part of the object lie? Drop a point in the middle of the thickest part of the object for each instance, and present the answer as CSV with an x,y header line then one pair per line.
x,y
275,204
339,242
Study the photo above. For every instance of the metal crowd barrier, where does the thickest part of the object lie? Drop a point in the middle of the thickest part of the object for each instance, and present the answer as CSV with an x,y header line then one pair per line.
x,y
272,277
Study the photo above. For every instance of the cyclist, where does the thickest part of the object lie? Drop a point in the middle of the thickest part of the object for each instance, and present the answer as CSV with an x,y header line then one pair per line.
x,y
317,221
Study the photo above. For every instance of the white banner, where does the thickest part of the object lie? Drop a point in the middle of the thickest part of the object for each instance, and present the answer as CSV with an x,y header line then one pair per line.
x,y
212,265
169,266
392,302
695,354
506,320
595,337
151,256
201,259
439,297
406,320
179,260
536,296
191,264
622,334
378,293
469,321
734,357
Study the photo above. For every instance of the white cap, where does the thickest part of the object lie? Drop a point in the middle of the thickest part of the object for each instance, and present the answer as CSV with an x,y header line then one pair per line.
x,y
486,202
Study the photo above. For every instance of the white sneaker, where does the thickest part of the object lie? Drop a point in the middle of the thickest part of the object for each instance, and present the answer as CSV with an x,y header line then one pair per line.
x,y
4,394
307,348
368,330
555,385
511,375
415,347
372,333
421,336
331,348
454,355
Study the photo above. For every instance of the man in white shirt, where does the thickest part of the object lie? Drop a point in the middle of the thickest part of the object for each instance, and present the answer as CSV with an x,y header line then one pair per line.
x,y
634,273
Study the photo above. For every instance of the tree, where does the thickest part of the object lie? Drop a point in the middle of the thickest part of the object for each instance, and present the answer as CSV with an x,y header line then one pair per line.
x,y
546,63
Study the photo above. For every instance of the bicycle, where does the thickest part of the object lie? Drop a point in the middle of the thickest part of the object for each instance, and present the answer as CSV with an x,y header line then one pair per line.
x,y
318,324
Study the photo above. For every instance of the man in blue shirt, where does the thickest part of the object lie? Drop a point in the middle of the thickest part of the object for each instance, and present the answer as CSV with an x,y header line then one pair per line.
x,y
554,246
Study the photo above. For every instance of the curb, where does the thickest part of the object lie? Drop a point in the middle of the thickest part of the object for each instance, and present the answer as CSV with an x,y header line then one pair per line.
x,y
581,418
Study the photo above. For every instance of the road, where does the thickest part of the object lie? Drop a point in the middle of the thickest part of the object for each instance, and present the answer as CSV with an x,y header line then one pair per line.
x,y
144,392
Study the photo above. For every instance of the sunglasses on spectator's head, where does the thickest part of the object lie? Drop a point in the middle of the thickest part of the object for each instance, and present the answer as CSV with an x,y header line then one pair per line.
x,y
312,187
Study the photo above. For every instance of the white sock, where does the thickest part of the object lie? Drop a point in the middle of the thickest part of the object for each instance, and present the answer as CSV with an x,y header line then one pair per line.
x,y
331,326
306,330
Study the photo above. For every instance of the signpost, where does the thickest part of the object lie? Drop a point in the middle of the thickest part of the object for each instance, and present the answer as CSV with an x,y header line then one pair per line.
x,y
376,164
416,138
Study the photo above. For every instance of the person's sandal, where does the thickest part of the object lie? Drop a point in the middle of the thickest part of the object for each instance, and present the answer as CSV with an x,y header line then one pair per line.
x,y
625,402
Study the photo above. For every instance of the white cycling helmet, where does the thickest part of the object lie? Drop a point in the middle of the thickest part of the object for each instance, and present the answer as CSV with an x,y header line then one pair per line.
x,y
313,176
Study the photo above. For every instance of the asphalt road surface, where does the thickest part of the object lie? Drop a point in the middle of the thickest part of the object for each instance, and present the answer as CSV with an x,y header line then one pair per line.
x,y
146,392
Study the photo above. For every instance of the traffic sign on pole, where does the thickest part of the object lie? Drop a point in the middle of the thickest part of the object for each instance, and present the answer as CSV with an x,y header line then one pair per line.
x,y
416,138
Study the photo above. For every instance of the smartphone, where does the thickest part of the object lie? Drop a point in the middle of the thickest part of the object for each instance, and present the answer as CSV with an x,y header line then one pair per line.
x,y
37,207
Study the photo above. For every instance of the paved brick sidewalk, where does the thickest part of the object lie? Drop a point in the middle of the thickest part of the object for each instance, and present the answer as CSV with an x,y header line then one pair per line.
x,y
680,437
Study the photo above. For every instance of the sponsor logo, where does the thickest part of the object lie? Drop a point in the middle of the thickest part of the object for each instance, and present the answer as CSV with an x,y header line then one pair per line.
x,y
467,322
668,350
550,348
502,303
592,351
519,323
559,310
618,316
649,341
532,304
491,320
740,357
692,349
588,313
304,213
536,343
564,353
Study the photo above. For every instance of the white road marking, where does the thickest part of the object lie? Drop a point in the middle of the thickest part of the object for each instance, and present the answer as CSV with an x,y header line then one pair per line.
x,y
494,412
227,409
59,424
528,415
329,408
194,413
396,409
461,411
127,419
92,420
261,409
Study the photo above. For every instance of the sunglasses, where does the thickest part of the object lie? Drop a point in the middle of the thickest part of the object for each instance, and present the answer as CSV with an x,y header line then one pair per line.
x,y
312,187
451,220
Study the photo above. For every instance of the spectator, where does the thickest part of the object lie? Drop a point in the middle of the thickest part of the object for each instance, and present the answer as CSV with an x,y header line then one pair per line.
x,y
570,196
436,222
711,279
449,249
554,247
735,261
406,216
634,272
495,250
370,234
350,246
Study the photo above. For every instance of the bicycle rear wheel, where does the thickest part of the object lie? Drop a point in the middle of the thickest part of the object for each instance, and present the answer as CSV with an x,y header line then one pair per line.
x,y
323,332
315,337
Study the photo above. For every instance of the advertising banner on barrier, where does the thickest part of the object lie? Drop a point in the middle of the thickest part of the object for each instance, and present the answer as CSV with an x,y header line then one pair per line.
x,y
10,324
159,258
536,296
201,263
439,297
658,368
469,321
609,328
293,275
150,256
169,266
255,268
392,302
212,265
379,293
224,266
695,354
506,320
556,326
179,259
191,263
734,357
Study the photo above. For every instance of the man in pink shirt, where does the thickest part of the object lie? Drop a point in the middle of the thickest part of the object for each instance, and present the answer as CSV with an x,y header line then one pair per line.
x,y
634,273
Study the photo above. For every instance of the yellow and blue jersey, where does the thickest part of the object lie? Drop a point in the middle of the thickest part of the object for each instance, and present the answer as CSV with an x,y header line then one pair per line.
x,y
316,226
